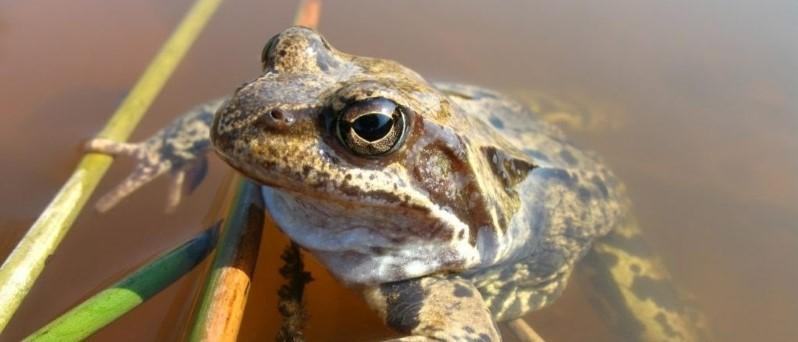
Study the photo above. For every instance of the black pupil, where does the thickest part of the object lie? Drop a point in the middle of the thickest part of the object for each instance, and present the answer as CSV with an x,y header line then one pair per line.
x,y
372,126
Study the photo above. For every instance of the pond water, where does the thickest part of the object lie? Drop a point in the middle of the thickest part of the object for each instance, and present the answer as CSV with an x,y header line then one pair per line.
x,y
694,104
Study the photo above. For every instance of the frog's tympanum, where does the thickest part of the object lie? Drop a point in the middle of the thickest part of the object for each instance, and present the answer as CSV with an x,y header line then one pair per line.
x,y
450,206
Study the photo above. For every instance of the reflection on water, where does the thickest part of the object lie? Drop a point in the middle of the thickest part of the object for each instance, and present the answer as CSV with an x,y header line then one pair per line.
x,y
694,104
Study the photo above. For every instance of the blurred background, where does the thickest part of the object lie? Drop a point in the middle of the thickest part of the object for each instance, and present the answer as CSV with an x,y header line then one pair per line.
x,y
694,104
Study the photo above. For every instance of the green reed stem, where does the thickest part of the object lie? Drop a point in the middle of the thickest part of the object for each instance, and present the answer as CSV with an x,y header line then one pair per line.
x,y
23,266
113,302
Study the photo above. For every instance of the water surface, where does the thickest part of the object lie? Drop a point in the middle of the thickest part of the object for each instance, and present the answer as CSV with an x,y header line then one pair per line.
x,y
693,104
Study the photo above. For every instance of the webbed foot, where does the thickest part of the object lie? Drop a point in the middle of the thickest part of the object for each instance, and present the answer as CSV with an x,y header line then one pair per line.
x,y
180,149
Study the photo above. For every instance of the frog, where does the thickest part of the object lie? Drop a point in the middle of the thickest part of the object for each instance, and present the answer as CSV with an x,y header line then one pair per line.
x,y
450,207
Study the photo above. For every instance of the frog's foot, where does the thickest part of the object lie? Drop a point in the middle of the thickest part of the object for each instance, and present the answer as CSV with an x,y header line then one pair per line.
x,y
152,163
180,148
441,308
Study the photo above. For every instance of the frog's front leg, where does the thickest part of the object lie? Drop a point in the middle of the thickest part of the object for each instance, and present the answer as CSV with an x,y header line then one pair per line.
x,y
180,148
437,307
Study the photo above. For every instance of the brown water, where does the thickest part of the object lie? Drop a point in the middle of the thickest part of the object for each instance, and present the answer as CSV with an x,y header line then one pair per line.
x,y
696,106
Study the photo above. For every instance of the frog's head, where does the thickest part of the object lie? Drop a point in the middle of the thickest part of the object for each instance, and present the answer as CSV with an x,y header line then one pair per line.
x,y
360,157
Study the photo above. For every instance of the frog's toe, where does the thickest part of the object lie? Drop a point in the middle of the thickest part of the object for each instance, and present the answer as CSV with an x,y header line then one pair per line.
x,y
176,191
142,175
195,172
184,181
110,147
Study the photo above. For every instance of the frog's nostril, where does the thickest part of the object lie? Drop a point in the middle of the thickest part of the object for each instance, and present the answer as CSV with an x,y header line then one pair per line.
x,y
276,114
275,119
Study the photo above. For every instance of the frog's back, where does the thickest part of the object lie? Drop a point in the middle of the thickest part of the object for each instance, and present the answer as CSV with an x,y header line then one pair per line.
x,y
567,200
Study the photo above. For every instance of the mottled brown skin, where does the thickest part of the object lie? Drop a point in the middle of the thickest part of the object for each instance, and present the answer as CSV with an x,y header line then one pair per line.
x,y
453,208
309,90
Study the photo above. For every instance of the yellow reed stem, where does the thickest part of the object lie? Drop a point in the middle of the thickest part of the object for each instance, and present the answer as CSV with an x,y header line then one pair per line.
x,y
23,266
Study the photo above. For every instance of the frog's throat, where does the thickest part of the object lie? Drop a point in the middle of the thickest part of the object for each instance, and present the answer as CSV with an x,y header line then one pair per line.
x,y
364,246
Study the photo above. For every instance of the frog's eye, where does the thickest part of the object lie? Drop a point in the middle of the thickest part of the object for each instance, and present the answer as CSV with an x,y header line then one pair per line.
x,y
371,127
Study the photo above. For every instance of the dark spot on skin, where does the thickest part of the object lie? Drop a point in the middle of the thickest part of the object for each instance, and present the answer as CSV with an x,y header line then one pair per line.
x,y
469,330
600,186
537,155
555,174
568,157
666,326
584,194
635,268
372,176
550,263
507,272
348,177
496,122
574,231
377,250
403,304
658,291
306,170
461,291
596,266
461,235
282,53
484,337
